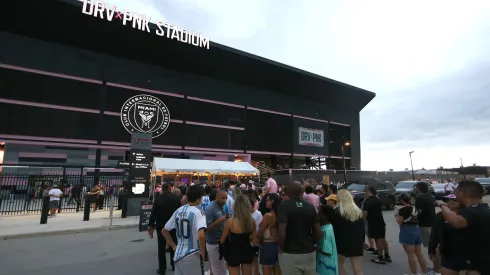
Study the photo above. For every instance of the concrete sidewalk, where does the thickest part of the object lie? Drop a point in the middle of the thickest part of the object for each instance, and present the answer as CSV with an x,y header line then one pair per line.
x,y
15,227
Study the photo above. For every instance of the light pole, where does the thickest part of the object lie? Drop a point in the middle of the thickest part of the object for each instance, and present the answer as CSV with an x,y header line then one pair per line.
x,y
411,163
461,160
343,161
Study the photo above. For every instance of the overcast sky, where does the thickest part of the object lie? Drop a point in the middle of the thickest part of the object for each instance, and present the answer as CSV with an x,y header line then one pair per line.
x,y
427,61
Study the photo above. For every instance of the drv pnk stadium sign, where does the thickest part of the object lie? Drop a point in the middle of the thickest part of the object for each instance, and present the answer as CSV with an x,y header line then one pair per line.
x,y
102,10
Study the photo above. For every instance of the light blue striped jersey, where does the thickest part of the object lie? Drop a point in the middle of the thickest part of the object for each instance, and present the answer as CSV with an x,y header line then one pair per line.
x,y
187,221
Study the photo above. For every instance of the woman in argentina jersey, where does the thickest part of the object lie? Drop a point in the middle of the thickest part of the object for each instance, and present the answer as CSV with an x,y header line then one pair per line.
x,y
190,225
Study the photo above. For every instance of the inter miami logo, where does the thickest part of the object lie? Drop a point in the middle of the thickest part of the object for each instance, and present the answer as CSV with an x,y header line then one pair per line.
x,y
145,114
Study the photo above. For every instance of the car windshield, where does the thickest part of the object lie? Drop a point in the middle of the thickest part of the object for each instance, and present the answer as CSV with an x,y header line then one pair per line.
x,y
405,184
438,186
356,187
483,180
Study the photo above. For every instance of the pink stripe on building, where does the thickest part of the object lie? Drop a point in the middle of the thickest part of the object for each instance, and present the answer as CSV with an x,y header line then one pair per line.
x,y
42,155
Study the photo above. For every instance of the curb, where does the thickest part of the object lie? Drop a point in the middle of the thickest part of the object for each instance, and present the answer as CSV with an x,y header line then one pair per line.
x,y
66,232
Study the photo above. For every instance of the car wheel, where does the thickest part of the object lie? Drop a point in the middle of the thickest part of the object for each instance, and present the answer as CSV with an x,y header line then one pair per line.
x,y
391,206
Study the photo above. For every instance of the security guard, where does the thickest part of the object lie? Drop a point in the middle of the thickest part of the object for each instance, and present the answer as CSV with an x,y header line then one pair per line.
x,y
163,208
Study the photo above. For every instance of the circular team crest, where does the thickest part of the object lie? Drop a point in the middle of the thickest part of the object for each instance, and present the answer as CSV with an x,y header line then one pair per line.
x,y
145,114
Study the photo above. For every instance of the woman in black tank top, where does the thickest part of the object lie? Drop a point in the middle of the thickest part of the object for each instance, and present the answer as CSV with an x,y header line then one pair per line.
x,y
240,234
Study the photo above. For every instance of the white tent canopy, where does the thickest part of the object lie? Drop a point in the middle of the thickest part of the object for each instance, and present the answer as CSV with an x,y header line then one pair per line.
x,y
170,165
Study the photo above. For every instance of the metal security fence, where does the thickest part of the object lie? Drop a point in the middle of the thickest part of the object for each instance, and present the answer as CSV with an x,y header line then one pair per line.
x,y
21,193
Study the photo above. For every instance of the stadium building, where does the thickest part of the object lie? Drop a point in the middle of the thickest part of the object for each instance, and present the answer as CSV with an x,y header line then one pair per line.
x,y
67,71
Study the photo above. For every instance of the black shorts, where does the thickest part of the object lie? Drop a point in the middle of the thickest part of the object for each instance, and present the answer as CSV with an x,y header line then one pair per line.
x,y
256,250
455,264
376,231
480,265
53,204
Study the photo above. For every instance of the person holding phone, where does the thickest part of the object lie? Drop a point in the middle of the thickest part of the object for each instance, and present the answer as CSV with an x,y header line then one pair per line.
x,y
473,224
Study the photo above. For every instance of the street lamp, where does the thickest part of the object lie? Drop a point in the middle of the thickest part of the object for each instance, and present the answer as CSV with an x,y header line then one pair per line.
x,y
343,161
411,163
462,170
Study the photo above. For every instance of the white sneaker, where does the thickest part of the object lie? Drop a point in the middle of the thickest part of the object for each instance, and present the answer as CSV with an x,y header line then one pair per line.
x,y
207,272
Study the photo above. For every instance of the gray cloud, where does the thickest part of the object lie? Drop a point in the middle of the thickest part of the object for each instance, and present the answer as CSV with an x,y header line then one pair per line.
x,y
451,110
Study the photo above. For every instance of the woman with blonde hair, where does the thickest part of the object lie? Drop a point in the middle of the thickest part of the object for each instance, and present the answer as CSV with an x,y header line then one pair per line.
x,y
235,192
241,234
348,225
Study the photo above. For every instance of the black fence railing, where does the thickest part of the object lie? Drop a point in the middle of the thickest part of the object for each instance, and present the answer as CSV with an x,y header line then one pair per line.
x,y
21,194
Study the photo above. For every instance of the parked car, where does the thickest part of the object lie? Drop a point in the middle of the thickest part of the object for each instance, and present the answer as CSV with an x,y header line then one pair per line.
x,y
386,191
408,187
485,182
439,191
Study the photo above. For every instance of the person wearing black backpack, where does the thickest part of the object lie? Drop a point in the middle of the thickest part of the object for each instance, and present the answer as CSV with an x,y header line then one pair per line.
x,y
410,236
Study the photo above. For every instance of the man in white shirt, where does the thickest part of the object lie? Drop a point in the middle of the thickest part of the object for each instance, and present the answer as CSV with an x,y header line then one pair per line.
x,y
54,199
271,184
189,224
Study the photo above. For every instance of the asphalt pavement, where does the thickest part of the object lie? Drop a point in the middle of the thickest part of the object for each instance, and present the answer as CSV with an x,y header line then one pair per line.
x,y
130,252
124,252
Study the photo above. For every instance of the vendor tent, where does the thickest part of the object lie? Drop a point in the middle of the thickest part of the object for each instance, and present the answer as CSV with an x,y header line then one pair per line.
x,y
169,165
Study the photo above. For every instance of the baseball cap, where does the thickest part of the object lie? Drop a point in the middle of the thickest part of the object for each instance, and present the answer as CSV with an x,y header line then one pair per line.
x,y
243,186
331,197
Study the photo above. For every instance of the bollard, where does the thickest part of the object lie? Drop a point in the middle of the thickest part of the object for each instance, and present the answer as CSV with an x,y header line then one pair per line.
x,y
111,211
45,210
124,210
60,204
86,209
78,205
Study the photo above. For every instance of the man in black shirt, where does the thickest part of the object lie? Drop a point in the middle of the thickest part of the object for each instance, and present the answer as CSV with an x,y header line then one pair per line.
x,y
163,208
473,222
372,211
299,231
424,203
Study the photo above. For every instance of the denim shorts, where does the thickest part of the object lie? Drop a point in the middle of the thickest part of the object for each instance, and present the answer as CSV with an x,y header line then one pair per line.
x,y
269,254
410,235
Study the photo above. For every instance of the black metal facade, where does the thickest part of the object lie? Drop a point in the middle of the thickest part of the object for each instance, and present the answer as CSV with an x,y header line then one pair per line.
x,y
255,130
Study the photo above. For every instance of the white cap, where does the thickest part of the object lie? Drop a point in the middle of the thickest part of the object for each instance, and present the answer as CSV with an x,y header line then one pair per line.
x,y
243,186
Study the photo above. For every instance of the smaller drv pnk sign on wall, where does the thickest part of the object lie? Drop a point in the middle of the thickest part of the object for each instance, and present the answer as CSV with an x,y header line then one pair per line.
x,y
311,137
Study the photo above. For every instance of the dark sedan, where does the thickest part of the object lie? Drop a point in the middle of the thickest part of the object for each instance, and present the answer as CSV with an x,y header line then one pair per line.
x,y
408,187
385,190
439,191
485,182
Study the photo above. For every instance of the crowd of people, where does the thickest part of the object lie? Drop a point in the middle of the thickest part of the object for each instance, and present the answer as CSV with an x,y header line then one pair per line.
x,y
306,229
